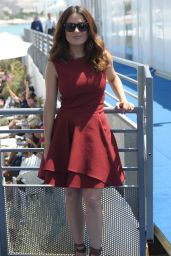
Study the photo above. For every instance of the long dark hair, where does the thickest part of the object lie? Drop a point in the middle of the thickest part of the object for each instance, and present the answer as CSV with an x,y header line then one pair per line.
x,y
94,47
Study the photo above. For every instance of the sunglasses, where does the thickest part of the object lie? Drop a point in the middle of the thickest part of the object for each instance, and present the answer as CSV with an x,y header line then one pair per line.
x,y
82,26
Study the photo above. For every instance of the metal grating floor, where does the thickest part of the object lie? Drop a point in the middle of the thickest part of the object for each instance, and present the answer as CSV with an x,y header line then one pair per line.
x,y
36,222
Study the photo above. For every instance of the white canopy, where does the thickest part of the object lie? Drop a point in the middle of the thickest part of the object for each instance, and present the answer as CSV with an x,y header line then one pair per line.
x,y
12,46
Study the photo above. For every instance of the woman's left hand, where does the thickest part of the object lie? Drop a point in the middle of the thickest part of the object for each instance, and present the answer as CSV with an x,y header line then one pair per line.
x,y
125,106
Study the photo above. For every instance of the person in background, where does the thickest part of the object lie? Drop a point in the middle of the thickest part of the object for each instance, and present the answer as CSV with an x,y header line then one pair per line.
x,y
2,101
32,101
18,123
80,152
50,25
37,24
34,139
20,99
29,90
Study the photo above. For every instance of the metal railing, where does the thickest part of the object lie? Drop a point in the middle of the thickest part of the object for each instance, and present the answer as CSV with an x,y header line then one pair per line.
x,y
144,96
134,249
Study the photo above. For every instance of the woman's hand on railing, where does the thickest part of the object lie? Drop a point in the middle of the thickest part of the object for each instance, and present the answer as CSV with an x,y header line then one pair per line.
x,y
125,106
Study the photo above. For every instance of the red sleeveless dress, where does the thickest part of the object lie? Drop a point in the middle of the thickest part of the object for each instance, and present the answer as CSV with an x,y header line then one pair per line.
x,y
83,151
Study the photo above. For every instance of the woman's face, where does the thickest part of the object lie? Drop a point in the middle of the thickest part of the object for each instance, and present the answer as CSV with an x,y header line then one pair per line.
x,y
79,36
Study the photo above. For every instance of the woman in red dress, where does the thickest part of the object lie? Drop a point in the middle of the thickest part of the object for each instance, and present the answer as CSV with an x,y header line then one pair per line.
x,y
80,152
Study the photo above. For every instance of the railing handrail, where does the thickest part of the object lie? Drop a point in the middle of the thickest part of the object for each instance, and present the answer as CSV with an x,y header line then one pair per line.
x,y
139,169
127,62
23,111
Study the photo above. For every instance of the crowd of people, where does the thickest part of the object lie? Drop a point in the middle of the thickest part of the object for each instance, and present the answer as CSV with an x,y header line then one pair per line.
x,y
26,98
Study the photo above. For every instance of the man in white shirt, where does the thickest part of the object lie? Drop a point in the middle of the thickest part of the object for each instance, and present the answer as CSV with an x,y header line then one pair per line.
x,y
50,24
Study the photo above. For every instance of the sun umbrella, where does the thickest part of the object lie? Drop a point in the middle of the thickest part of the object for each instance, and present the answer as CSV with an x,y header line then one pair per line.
x,y
12,46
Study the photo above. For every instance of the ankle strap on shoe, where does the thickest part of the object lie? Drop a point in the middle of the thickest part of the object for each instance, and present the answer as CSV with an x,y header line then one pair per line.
x,y
93,251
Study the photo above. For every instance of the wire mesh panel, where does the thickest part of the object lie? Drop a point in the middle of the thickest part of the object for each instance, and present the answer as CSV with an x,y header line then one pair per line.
x,y
121,225
36,221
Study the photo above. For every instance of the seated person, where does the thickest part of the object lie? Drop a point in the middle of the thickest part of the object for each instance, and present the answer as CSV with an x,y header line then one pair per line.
x,y
2,101
20,99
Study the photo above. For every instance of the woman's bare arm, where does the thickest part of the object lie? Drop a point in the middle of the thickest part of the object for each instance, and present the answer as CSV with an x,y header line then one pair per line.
x,y
50,103
117,87
13,95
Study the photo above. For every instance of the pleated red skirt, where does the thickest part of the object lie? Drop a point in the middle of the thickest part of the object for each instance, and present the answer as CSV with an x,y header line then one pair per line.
x,y
83,153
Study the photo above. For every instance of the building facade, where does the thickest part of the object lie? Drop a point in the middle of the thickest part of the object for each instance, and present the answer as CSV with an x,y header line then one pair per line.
x,y
132,29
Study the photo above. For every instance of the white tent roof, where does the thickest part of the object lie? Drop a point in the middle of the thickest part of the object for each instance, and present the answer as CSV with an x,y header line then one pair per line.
x,y
12,46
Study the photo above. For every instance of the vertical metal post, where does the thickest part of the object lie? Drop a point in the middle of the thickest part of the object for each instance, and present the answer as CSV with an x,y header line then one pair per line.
x,y
141,179
34,47
3,233
149,156
141,85
48,43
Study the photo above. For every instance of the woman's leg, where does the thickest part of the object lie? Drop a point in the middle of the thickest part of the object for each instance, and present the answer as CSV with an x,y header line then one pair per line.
x,y
75,216
94,216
